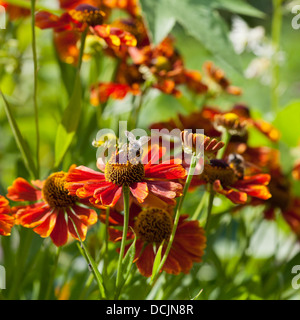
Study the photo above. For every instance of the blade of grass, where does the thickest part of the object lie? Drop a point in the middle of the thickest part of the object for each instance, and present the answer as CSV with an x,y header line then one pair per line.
x,y
91,263
22,145
35,82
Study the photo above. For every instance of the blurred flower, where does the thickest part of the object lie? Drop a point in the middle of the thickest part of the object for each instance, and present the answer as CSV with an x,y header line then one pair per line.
x,y
142,177
52,209
153,225
219,77
296,171
254,40
245,38
70,24
230,122
7,220
15,12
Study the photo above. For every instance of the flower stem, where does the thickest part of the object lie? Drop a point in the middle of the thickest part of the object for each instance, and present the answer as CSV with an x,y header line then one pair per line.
x,y
226,136
209,207
91,263
126,194
200,207
36,115
276,30
52,275
189,178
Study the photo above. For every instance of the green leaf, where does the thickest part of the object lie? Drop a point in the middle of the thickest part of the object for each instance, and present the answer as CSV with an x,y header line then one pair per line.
x,y
68,126
287,122
239,7
159,22
197,295
128,260
199,19
157,261
22,144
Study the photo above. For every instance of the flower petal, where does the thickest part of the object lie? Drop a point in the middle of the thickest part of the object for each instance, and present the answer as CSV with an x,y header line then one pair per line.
x,y
21,190
139,190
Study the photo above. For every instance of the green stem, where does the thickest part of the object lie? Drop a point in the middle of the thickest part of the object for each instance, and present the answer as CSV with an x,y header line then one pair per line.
x,y
209,207
126,194
105,261
91,263
36,115
189,178
200,207
276,33
226,136
52,276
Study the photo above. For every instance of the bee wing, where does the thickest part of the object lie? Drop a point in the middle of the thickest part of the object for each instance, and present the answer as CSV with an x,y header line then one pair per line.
x,y
130,136
143,140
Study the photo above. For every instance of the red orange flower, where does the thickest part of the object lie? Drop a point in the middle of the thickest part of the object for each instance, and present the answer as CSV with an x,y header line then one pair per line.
x,y
7,220
152,226
75,21
15,12
143,178
52,210
228,181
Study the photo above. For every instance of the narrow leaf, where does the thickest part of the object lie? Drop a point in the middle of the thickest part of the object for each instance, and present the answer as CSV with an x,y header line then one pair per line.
x,y
68,126
128,261
157,261
22,144
197,295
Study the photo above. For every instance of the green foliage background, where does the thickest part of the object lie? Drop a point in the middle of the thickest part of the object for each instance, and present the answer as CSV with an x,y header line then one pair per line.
x,y
250,258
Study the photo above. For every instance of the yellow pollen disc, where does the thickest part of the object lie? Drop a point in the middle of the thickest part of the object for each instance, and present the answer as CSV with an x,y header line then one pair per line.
x,y
55,193
124,174
153,225
226,175
231,122
91,17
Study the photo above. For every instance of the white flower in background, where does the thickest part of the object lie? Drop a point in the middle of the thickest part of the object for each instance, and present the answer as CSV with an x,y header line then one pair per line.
x,y
245,38
254,40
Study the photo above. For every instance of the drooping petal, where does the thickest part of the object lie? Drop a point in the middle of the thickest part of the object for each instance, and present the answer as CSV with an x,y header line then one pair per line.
x,y
46,227
170,170
145,258
111,195
21,190
139,190
59,234
233,195
33,215
46,20
165,189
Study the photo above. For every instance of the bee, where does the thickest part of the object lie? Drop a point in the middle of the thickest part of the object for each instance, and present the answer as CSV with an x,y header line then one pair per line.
x,y
135,147
237,163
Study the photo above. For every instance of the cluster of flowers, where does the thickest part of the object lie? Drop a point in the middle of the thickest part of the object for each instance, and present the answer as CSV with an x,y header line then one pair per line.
x,y
67,203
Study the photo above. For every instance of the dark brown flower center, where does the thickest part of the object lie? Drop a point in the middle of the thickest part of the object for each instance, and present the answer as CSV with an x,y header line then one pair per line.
x,y
124,173
153,225
55,193
219,170
87,14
